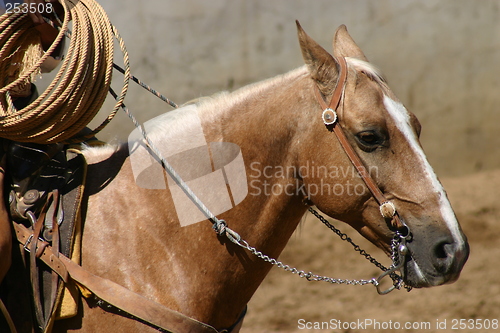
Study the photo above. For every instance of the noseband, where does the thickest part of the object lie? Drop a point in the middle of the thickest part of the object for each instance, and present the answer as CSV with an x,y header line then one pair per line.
x,y
387,208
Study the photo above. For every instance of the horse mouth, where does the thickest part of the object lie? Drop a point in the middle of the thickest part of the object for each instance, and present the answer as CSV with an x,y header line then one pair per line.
x,y
425,272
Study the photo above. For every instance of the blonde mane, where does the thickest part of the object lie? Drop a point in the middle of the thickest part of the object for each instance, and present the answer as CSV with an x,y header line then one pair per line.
x,y
210,106
368,69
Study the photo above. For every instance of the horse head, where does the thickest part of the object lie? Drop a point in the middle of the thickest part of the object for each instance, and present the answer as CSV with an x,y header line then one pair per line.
x,y
385,136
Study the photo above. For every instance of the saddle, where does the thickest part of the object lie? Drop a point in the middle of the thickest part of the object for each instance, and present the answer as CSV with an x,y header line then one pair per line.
x,y
46,187
45,197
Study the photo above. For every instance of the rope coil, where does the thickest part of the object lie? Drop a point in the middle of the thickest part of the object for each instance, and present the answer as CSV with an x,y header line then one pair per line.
x,y
79,89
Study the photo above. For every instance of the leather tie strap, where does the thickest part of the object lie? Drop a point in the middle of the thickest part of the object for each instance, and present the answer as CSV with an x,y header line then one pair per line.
x,y
353,156
116,295
24,236
135,304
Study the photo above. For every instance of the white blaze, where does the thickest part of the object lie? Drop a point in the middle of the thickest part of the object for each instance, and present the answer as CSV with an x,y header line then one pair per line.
x,y
401,118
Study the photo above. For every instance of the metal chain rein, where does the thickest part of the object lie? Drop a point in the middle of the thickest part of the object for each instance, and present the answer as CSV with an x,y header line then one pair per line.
x,y
221,228
398,251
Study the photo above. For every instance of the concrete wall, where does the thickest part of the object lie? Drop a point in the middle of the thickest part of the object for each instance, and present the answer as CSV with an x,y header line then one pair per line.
x,y
441,58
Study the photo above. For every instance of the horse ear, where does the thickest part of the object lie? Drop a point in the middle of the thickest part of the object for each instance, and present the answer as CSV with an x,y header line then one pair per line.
x,y
322,65
344,45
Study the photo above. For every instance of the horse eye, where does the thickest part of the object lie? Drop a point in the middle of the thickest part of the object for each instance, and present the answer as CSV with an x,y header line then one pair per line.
x,y
368,138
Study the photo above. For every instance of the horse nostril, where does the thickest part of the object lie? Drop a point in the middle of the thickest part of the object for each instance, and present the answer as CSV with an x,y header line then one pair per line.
x,y
444,253
443,250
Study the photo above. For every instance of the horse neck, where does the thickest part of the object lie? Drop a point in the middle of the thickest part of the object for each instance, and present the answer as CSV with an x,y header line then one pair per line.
x,y
209,278
265,120
266,125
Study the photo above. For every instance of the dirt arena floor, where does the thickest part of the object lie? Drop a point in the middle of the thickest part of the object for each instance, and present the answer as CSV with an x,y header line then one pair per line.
x,y
287,303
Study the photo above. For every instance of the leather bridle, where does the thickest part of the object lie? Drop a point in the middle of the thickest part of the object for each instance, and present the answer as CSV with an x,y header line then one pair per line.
x,y
399,250
330,118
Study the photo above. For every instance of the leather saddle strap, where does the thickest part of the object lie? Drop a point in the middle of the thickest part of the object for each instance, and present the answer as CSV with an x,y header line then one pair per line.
x,y
353,156
118,296
135,304
35,251
24,236
55,281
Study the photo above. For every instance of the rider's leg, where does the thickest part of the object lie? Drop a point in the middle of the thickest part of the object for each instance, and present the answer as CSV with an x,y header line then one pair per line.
x,y
5,228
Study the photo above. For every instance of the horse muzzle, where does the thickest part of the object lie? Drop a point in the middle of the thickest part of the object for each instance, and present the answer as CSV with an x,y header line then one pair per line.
x,y
434,261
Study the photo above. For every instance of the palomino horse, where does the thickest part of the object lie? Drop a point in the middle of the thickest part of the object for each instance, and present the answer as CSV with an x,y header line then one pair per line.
x,y
132,235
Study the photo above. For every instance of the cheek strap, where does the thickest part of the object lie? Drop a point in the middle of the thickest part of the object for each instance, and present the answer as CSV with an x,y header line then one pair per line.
x,y
329,116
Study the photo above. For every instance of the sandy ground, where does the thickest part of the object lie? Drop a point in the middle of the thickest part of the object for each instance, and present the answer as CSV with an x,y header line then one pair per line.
x,y
287,303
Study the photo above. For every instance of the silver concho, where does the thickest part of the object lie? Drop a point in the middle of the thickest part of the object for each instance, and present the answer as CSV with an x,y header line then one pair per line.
x,y
329,116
